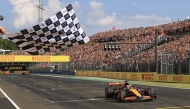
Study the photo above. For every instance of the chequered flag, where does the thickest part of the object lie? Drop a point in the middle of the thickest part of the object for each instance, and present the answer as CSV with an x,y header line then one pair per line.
x,y
59,31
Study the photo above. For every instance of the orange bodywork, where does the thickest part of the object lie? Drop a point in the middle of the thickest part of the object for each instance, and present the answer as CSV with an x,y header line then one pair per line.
x,y
117,84
123,91
135,92
147,97
134,98
26,73
130,98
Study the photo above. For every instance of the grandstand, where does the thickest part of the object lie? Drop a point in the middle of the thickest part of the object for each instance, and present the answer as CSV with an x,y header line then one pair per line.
x,y
3,51
173,38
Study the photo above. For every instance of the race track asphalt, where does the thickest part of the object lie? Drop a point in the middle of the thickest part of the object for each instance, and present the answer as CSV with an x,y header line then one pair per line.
x,y
63,92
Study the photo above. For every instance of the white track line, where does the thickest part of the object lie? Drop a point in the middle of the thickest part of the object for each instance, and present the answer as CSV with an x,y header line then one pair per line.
x,y
9,99
90,99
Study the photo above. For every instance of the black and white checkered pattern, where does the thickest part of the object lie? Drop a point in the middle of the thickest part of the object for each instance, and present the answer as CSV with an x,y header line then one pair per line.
x,y
59,31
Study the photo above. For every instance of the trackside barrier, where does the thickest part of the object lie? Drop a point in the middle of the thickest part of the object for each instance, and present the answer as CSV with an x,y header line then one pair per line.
x,y
48,72
6,72
16,72
1,72
141,76
174,78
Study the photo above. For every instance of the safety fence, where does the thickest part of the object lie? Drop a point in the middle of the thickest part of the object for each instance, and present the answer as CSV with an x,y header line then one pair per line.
x,y
179,67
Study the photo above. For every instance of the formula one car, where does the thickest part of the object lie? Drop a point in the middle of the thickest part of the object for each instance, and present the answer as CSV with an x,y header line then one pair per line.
x,y
123,91
26,73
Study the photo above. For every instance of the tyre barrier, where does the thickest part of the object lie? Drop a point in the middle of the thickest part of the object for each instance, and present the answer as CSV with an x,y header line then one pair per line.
x,y
54,72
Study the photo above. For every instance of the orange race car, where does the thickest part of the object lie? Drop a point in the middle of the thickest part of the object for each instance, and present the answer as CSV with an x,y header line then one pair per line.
x,y
25,73
123,91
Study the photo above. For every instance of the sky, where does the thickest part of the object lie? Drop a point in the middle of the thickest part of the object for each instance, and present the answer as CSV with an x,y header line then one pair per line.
x,y
96,15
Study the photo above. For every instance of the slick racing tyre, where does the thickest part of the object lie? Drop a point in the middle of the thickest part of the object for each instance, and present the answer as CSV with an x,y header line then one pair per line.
x,y
108,92
150,92
121,95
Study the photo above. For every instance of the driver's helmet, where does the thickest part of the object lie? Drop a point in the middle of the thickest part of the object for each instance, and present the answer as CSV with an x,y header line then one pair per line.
x,y
127,87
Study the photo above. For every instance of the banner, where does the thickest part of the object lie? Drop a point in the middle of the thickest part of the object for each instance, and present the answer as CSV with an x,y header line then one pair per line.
x,y
162,77
134,76
124,76
141,76
13,68
29,58
178,78
148,77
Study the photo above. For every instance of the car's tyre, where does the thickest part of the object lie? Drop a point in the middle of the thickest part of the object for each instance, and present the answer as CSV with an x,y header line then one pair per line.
x,y
115,95
150,92
109,92
121,95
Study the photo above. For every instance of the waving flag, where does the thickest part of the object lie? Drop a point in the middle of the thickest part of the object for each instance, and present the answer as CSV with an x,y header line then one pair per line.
x,y
59,31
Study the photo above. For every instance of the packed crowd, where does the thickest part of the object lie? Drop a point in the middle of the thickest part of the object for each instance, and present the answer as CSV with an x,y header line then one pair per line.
x,y
176,35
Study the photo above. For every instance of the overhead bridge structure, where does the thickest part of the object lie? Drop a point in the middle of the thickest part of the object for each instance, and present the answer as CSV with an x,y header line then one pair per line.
x,y
14,63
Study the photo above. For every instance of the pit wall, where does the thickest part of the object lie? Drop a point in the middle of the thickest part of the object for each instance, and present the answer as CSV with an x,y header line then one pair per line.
x,y
141,76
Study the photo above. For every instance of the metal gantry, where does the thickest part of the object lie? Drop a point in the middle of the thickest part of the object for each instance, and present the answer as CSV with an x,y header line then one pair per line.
x,y
40,11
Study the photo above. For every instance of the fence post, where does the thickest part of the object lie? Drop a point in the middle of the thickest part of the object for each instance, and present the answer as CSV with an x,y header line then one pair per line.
x,y
189,61
156,50
69,66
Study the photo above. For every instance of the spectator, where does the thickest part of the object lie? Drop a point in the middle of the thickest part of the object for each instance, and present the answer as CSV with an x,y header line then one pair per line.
x,y
173,37
2,30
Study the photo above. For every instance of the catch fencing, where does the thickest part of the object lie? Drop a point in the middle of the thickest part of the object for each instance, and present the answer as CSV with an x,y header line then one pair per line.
x,y
166,65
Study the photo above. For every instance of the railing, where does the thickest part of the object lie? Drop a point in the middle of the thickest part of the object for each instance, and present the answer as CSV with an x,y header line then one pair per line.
x,y
179,67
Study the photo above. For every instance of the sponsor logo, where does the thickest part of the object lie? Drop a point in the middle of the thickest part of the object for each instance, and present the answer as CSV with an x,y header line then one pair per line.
x,y
162,78
99,74
134,76
108,74
124,75
7,58
104,74
178,78
112,75
93,73
148,77
13,68
40,58
117,75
